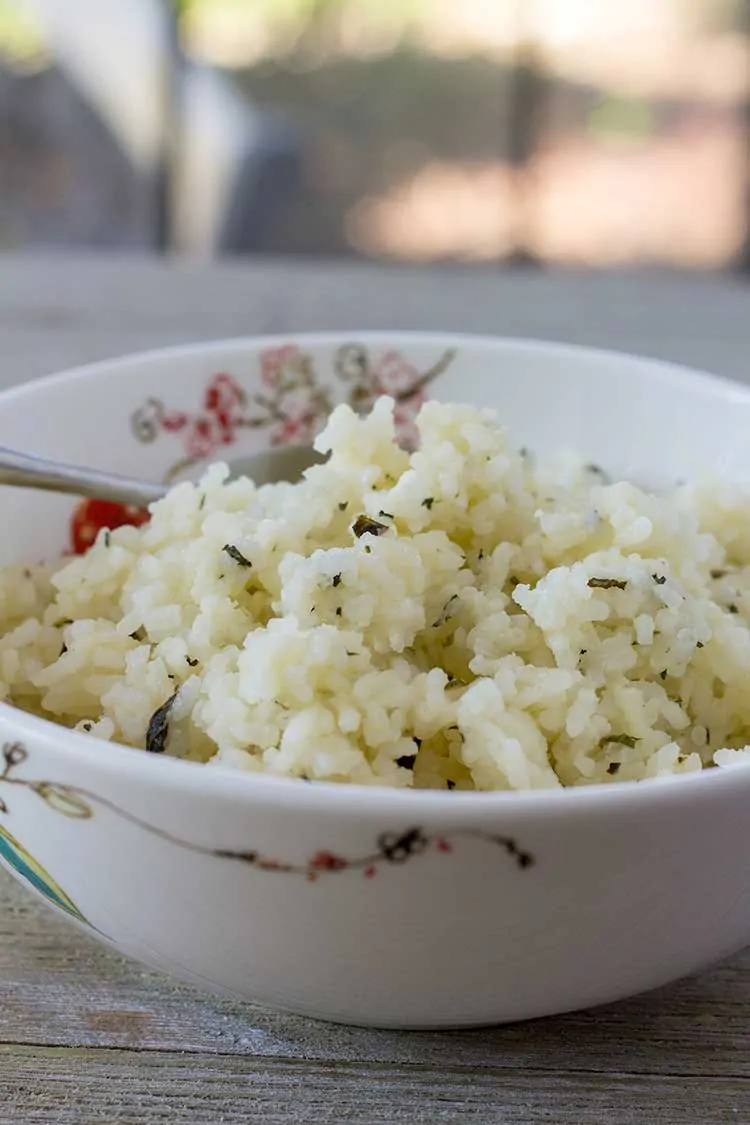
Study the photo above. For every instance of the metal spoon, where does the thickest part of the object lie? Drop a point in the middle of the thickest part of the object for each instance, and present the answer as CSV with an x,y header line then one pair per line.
x,y
27,471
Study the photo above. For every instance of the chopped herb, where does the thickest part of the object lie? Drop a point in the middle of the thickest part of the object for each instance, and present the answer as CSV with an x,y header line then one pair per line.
x,y
339,611
597,471
733,608
455,682
63,621
236,554
428,502
623,740
480,556
699,644
718,574
659,579
406,761
450,784
336,581
202,502
139,635
607,584
680,759
343,505
192,661
158,727
351,653
386,515
107,539
368,550
88,727
613,767
363,524
445,613
663,674
583,652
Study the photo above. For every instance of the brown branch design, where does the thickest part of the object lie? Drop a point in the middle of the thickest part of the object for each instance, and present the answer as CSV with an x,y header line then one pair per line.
x,y
391,848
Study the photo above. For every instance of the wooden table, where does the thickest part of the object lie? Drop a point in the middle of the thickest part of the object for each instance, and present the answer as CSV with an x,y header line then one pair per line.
x,y
88,1037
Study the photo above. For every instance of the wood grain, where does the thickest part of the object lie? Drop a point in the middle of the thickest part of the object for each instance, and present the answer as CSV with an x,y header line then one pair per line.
x,y
86,1036
57,1087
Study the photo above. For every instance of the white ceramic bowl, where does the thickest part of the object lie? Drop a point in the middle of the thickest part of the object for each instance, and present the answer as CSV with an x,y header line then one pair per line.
x,y
413,909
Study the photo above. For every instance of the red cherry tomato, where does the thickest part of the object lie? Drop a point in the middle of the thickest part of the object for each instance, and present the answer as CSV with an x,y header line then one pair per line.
x,y
90,516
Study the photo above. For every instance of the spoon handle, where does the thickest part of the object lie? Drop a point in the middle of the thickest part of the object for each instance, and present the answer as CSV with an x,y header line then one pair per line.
x,y
27,471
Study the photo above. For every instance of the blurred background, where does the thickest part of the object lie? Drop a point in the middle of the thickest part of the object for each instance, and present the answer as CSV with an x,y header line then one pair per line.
x,y
536,132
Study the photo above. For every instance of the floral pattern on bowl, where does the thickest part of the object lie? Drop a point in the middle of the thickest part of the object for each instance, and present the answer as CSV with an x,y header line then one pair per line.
x,y
77,803
291,407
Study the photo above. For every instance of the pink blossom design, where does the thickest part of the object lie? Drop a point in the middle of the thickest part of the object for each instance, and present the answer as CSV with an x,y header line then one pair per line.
x,y
275,364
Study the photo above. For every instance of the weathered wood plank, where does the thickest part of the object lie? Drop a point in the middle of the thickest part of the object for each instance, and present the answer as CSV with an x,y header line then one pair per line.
x,y
72,1087
62,989
56,312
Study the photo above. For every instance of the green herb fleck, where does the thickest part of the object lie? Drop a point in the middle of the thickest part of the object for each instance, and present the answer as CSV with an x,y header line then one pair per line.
x,y
88,727
659,579
450,784
613,768
428,502
236,554
202,502
699,644
158,727
386,515
336,581
732,608
607,584
406,761
663,674
339,611
364,525
718,574
192,661
139,635
107,539
623,740
445,613
597,471
343,505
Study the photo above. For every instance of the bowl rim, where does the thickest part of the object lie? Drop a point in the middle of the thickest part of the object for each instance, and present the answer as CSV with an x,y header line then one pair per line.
x,y
232,784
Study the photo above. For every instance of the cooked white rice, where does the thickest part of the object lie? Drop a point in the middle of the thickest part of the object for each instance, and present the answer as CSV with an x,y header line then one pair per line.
x,y
508,626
